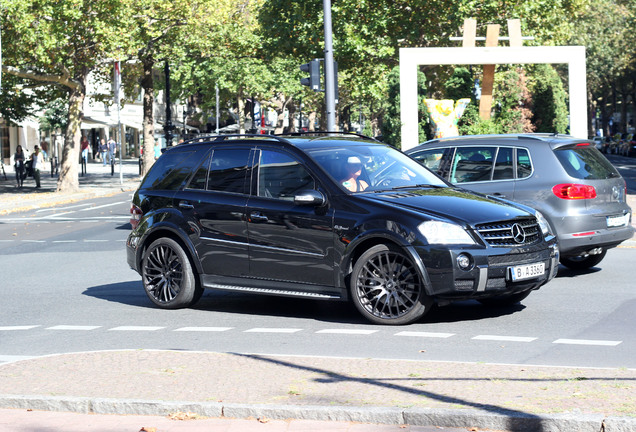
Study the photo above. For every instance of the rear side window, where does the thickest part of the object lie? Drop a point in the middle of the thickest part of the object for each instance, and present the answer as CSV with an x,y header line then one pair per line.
x,y
585,163
503,164
228,170
524,164
170,171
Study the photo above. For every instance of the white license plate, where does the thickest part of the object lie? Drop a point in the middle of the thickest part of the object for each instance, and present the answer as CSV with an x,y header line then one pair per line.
x,y
617,221
528,271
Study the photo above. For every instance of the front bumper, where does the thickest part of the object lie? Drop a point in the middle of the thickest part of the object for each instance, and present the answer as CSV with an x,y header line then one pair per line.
x,y
490,274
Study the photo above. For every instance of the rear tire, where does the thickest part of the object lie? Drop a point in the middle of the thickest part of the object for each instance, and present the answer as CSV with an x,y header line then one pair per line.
x,y
583,263
387,288
167,275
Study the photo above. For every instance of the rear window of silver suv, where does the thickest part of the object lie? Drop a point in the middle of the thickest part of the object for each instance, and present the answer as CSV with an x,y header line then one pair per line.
x,y
585,163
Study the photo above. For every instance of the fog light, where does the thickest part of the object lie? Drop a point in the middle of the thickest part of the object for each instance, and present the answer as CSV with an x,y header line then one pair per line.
x,y
464,262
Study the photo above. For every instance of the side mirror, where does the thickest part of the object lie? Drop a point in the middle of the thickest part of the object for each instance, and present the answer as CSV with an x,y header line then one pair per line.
x,y
309,198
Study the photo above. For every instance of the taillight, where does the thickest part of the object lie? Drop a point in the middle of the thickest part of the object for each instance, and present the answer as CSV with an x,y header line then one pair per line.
x,y
573,191
135,215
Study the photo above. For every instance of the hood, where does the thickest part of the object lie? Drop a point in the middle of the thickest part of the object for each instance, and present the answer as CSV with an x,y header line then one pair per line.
x,y
451,203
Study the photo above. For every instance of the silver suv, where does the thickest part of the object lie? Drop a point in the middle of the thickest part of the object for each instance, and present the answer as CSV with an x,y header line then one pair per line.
x,y
575,187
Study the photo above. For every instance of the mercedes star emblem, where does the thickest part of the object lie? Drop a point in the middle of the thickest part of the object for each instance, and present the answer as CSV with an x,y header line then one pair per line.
x,y
518,234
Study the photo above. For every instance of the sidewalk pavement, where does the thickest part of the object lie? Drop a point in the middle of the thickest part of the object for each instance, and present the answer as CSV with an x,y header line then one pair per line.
x,y
207,391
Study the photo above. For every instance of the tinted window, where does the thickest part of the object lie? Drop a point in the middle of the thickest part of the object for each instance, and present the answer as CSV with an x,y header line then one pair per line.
x,y
200,177
524,164
503,165
585,163
281,176
431,159
168,172
228,170
472,164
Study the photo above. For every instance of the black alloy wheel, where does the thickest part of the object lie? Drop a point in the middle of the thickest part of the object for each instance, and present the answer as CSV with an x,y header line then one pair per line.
x,y
168,277
387,288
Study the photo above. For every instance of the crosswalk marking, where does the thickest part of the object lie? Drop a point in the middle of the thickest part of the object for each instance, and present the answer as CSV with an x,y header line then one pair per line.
x,y
504,338
203,329
425,334
347,331
72,327
587,342
333,331
272,330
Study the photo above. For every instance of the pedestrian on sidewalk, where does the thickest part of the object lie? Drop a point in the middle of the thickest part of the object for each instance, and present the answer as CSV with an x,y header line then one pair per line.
x,y
103,149
36,163
18,159
84,154
112,150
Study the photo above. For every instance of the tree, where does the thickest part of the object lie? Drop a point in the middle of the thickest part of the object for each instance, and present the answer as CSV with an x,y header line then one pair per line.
x,y
58,43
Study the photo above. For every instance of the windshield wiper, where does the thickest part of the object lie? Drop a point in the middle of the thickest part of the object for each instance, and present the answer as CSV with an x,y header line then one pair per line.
x,y
419,186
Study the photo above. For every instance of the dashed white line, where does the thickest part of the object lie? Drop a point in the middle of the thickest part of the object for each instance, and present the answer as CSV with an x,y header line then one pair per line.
x,y
347,331
135,328
587,342
12,328
425,334
504,338
95,241
272,330
64,241
73,327
203,329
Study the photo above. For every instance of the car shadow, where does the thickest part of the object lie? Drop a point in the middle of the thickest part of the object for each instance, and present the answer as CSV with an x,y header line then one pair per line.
x,y
565,272
132,294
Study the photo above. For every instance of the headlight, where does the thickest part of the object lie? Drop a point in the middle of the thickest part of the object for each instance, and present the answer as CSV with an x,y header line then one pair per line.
x,y
543,223
437,232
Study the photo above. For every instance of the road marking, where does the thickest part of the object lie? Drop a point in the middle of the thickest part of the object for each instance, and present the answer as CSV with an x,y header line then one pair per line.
x,y
94,241
11,328
135,328
347,331
6,241
102,206
425,334
272,330
62,208
72,327
14,358
64,241
587,342
34,241
203,329
505,338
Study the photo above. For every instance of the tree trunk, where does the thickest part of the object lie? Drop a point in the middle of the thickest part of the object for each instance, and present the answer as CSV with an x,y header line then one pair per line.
x,y
68,180
147,84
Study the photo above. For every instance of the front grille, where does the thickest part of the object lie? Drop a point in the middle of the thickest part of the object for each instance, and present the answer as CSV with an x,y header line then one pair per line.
x,y
510,233
518,258
464,284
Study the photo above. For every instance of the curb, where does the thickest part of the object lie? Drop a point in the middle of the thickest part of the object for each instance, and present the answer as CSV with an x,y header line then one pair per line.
x,y
510,421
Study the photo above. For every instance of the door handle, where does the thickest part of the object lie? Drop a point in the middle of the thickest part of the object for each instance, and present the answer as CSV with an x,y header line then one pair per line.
x,y
258,217
499,195
185,205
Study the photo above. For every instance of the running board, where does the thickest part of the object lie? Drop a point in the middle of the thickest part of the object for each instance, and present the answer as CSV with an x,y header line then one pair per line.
x,y
271,291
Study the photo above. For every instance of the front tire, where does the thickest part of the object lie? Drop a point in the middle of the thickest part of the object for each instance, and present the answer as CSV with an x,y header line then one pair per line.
x,y
583,263
167,275
387,288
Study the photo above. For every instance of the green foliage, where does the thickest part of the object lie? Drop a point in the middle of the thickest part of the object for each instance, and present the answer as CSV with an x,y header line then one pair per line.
x,y
549,100
55,115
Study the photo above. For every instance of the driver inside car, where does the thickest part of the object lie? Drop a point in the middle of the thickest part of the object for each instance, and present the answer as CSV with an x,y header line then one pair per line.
x,y
353,170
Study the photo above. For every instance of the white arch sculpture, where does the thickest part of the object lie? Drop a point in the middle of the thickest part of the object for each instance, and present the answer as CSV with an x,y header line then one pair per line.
x,y
411,58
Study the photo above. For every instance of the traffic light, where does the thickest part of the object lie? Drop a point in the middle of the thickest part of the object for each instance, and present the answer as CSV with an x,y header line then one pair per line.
x,y
313,81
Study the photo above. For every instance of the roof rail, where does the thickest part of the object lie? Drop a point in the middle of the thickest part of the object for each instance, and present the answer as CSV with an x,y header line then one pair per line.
x,y
326,133
217,138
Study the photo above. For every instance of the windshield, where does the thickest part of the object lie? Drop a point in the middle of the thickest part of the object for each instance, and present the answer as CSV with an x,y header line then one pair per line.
x,y
373,168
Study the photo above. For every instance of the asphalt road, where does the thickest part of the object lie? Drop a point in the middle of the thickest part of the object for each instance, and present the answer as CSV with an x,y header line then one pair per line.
x,y
67,288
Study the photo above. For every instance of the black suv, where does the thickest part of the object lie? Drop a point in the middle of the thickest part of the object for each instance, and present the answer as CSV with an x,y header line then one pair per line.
x,y
333,217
